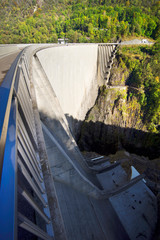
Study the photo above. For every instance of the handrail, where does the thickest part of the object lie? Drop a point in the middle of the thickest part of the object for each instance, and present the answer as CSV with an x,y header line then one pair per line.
x,y
7,84
8,188
20,168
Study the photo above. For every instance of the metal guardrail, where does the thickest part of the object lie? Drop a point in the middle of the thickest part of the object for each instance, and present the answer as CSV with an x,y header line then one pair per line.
x,y
23,202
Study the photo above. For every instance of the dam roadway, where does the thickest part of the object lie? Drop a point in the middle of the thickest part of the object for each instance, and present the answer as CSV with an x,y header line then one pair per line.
x,y
55,85
7,56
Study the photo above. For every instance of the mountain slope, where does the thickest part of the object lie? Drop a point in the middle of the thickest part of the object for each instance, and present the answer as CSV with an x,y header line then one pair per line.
x,y
38,21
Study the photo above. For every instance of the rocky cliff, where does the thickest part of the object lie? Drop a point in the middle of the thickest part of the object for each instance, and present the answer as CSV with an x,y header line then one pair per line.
x,y
116,120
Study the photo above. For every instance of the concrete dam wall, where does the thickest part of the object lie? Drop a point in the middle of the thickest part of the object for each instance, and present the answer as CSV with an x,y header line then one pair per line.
x,y
72,73
66,82
66,162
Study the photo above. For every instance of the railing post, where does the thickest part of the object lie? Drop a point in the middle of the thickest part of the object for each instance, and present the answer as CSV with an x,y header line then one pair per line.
x,y
8,188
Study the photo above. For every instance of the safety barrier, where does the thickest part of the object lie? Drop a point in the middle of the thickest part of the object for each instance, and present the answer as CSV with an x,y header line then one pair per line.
x,y
23,201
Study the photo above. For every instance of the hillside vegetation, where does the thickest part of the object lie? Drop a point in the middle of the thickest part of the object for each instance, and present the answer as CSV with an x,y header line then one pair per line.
x,y
127,111
41,21
141,66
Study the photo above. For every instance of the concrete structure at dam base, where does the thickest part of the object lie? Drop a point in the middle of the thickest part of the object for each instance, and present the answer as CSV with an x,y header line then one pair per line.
x,y
60,194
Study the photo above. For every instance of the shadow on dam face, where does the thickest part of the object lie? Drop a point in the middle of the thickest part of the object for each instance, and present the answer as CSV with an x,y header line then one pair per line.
x,y
69,85
105,139
108,139
80,188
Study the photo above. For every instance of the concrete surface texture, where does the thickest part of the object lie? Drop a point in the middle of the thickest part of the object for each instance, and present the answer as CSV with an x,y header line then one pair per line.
x,y
72,72
112,179
63,78
140,203
87,218
65,159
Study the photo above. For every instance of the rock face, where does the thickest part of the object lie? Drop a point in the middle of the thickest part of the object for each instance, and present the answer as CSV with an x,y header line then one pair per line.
x,y
115,121
113,107
118,78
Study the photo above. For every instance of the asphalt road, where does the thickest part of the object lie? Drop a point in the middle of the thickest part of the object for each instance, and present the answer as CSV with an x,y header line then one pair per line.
x,y
136,41
5,64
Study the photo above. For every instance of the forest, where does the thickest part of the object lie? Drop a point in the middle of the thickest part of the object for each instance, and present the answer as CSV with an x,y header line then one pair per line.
x,y
140,66
92,21
44,21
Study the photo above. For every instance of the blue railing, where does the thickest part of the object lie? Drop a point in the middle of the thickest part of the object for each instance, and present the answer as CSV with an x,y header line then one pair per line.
x,y
23,201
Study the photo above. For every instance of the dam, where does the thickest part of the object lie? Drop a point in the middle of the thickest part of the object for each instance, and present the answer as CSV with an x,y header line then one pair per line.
x,y
48,190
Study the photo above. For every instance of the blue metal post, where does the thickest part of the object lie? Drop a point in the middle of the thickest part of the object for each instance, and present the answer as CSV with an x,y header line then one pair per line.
x,y
8,187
